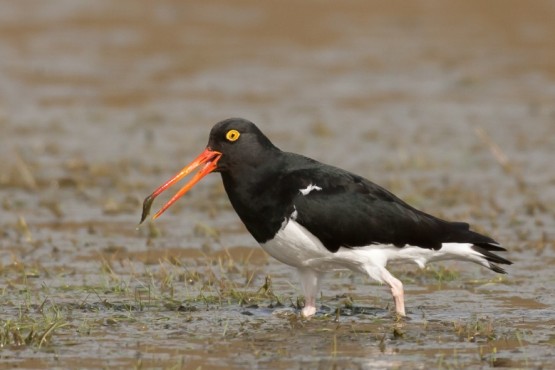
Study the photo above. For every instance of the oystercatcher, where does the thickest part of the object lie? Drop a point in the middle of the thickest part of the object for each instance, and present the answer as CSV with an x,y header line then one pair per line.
x,y
318,218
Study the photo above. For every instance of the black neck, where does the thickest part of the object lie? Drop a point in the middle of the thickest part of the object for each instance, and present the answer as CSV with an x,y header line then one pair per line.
x,y
255,195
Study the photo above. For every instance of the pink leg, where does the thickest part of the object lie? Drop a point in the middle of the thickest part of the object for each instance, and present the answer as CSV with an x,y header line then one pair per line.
x,y
397,292
382,275
310,281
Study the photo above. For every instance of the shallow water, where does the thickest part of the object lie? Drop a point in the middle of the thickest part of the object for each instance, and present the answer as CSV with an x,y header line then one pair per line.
x,y
448,105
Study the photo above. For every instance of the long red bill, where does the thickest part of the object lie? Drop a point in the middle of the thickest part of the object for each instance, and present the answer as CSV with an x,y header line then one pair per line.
x,y
209,158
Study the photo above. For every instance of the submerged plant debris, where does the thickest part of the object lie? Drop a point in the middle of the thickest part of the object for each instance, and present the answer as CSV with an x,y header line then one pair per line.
x,y
457,120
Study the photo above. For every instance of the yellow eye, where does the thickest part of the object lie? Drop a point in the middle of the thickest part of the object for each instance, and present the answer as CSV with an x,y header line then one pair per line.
x,y
232,135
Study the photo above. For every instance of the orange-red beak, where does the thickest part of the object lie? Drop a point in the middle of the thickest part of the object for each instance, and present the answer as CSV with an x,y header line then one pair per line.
x,y
209,158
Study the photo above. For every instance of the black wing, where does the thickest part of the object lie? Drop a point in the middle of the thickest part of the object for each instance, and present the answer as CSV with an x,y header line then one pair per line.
x,y
350,211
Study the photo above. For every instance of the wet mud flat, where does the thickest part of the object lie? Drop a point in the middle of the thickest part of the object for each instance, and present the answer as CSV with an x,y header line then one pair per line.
x,y
450,106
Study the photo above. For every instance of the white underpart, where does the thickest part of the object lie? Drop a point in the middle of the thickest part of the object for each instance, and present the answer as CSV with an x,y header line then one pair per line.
x,y
294,214
294,245
293,217
309,188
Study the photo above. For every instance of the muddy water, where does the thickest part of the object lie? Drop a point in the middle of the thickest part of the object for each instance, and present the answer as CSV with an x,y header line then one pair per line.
x,y
449,105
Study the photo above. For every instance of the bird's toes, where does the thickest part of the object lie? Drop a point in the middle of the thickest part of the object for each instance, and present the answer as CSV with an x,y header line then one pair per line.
x,y
308,311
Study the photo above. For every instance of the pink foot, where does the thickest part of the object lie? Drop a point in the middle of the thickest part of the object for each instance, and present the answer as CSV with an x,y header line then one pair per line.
x,y
308,311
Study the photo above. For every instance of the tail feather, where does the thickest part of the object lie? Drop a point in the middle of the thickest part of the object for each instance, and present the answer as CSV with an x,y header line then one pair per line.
x,y
493,267
485,249
483,245
491,247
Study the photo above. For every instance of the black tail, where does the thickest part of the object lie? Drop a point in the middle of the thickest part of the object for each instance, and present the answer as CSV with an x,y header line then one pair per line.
x,y
461,233
485,249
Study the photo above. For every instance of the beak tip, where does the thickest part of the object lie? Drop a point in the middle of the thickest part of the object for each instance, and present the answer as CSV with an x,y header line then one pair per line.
x,y
208,158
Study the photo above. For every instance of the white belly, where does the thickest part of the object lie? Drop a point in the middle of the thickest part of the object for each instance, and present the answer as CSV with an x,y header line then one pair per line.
x,y
294,245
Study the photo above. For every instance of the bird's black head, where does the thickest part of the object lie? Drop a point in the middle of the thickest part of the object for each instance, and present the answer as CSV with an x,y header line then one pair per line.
x,y
234,144
240,143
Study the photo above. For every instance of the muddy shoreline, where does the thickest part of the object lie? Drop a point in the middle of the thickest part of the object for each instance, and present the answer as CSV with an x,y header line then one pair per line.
x,y
448,105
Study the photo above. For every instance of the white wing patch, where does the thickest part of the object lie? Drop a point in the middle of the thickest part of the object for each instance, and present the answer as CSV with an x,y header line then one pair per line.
x,y
309,188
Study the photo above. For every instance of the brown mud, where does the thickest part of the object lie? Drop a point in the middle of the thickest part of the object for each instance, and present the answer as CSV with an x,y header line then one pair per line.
x,y
448,104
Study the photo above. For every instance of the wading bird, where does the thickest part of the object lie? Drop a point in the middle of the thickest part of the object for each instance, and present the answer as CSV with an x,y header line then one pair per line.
x,y
318,218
